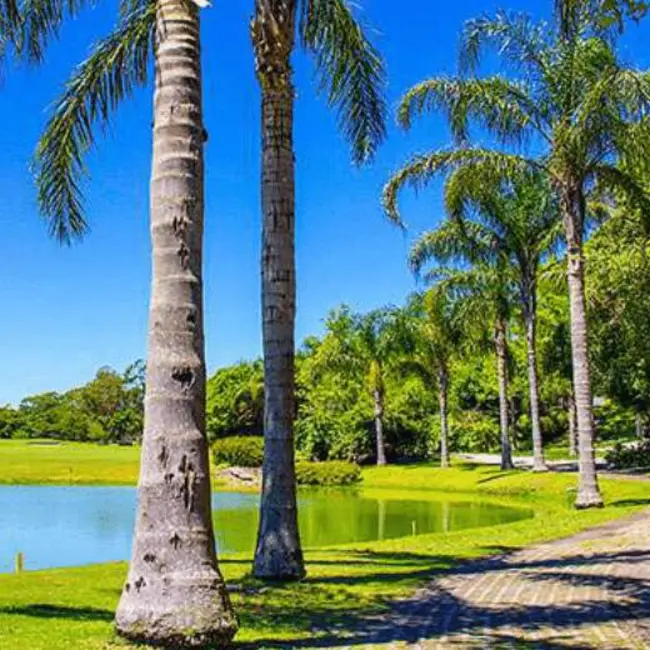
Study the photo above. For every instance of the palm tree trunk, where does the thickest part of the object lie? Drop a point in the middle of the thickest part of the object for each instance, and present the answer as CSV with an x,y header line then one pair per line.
x,y
573,426
278,554
174,594
572,210
501,348
379,427
530,317
444,418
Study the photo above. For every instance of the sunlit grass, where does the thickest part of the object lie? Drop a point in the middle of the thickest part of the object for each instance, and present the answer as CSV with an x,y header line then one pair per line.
x,y
72,608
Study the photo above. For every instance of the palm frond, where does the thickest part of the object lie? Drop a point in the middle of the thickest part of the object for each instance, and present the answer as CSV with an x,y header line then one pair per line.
x,y
42,20
616,179
422,168
350,70
115,67
453,242
514,37
501,106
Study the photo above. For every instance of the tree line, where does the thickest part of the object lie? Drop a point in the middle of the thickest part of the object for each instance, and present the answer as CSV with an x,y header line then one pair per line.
x,y
567,133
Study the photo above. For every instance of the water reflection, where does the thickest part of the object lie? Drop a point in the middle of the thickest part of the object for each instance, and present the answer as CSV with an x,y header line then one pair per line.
x,y
68,526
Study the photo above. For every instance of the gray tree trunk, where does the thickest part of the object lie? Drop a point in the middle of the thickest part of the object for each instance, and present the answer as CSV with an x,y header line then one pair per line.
x,y
278,555
174,594
530,317
501,349
572,212
573,426
379,427
444,418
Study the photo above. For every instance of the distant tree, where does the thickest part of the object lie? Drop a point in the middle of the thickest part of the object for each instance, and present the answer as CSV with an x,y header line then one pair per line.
x,y
511,226
235,400
378,343
435,340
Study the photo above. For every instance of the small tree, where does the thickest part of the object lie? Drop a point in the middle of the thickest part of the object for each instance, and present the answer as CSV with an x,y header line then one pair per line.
x,y
435,337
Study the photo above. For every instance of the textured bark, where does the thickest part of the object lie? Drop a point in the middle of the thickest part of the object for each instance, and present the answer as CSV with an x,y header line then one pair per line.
x,y
572,204
530,317
174,594
444,418
573,426
278,554
378,398
501,349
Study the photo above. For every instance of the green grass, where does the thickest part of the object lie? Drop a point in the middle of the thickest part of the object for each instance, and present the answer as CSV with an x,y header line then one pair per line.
x,y
72,608
67,463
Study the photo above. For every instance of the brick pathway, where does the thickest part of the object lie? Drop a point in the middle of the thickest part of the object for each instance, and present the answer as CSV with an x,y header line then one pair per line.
x,y
588,591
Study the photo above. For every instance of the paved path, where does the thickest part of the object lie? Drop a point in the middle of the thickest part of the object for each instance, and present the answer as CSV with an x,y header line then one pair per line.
x,y
588,591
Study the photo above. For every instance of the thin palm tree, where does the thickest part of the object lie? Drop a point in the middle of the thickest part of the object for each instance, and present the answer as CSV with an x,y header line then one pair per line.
x,y
351,71
484,294
174,594
570,116
436,338
511,225
377,343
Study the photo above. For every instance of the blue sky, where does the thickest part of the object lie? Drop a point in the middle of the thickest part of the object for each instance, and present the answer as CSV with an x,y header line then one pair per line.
x,y
67,311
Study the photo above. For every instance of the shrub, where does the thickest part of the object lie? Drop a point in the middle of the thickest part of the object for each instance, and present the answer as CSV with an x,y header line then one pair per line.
x,y
239,451
329,473
630,456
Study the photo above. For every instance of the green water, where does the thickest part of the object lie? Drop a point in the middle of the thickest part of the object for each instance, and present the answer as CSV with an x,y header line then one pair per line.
x,y
68,526
328,517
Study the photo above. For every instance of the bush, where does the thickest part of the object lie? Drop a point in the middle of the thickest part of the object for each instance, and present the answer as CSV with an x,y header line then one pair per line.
x,y
239,451
329,473
630,456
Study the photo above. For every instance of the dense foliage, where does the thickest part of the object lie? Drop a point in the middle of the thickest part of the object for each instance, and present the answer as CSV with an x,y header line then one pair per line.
x,y
239,451
108,409
327,474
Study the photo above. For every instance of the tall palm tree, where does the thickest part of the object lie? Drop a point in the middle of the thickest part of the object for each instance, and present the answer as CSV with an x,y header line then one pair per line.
x,y
510,225
436,337
569,116
351,70
174,594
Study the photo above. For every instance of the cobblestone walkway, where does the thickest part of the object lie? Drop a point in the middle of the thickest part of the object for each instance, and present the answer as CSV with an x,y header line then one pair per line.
x,y
588,591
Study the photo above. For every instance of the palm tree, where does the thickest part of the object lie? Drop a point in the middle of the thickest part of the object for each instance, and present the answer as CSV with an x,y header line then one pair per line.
x,y
378,342
574,105
512,226
174,594
436,337
351,70
484,294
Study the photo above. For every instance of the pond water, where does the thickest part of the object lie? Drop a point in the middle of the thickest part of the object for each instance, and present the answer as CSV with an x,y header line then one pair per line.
x,y
69,526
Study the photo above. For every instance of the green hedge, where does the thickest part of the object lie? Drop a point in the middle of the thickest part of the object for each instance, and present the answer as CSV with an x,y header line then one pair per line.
x,y
327,473
633,456
239,451
248,451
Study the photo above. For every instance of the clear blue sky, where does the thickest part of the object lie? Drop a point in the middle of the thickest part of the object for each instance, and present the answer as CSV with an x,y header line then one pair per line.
x,y
67,311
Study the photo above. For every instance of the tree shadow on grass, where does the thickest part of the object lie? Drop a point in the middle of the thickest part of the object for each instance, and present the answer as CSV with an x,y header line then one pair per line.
x,y
438,614
43,610
626,503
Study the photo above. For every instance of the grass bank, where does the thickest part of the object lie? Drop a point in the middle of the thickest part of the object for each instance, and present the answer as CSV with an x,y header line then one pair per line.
x,y
73,608
42,462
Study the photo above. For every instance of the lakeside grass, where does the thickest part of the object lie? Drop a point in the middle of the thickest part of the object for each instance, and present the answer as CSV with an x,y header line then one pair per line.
x,y
40,462
73,608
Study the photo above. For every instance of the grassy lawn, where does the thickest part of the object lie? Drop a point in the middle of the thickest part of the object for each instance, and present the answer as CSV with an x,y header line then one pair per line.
x,y
68,463
72,608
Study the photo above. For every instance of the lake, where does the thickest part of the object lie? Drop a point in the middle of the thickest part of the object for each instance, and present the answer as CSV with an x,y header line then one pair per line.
x,y
69,526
